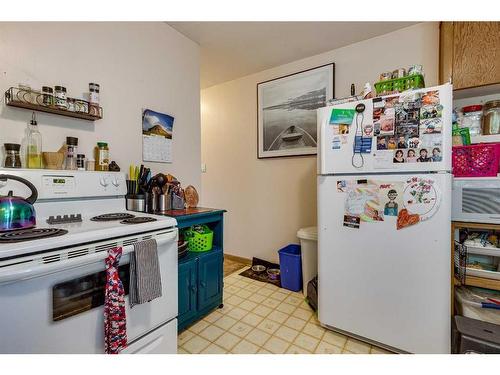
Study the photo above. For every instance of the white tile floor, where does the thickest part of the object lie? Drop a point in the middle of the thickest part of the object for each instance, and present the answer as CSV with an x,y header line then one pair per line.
x,y
262,318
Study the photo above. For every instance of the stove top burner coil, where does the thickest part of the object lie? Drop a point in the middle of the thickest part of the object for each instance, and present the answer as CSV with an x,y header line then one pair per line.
x,y
30,234
113,216
138,220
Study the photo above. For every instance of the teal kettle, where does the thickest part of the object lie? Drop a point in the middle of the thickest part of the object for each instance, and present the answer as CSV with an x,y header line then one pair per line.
x,y
17,212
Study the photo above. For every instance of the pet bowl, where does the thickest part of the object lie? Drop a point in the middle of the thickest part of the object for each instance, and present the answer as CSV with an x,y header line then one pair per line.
x,y
273,273
258,268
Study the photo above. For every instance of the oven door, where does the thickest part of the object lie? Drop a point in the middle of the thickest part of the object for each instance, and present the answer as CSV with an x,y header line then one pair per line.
x,y
57,307
476,200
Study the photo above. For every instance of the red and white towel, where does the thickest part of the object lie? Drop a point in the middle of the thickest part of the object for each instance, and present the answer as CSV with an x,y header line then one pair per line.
x,y
115,323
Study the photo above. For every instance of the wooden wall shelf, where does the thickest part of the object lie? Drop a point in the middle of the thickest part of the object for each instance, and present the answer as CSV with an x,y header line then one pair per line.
x,y
12,100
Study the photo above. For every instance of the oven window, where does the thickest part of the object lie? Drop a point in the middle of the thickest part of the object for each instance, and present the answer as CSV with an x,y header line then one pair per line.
x,y
84,293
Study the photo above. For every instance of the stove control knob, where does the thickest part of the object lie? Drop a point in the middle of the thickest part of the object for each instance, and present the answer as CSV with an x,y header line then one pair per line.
x,y
104,181
115,182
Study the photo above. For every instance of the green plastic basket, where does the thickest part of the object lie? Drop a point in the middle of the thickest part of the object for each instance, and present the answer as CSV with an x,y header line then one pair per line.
x,y
415,81
199,242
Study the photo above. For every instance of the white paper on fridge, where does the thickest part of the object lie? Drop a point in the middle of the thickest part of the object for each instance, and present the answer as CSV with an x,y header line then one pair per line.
x,y
157,136
383,159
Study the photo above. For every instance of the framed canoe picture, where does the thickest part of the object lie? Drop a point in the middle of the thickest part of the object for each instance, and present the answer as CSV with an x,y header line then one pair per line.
x,y
286,114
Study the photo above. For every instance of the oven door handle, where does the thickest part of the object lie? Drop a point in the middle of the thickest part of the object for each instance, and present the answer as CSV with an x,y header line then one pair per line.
x,y
29,271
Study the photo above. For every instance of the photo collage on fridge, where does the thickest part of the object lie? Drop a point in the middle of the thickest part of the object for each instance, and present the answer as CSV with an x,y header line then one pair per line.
x,y
409,127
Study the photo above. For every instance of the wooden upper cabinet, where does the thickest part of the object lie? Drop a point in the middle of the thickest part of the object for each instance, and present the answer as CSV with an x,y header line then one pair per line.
x,y
469,53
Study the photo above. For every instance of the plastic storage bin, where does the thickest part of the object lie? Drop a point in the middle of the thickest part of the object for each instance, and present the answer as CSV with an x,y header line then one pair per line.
x,y
309,252
479,160
199,242
291,267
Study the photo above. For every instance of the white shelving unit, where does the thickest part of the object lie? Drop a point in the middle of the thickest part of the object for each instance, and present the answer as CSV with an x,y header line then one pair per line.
x,y
485,138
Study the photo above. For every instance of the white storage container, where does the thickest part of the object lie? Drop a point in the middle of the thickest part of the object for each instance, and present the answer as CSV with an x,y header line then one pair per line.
x,y
309,253
466,302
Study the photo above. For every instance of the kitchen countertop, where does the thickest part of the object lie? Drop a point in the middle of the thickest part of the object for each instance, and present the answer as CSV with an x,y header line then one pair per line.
x,y
196,211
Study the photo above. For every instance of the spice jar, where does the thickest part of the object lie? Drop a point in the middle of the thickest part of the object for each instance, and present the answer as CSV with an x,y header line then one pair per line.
x,y
47,96
90,165
491,118
471,118
71,105
80,162
60,97
102,157
71,151
94,93
12,155
81,106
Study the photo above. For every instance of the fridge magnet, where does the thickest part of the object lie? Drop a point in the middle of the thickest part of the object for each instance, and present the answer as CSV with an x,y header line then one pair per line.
x,y
436,154
368,130
423,156
431,126
431,111
403,141
411,156
430,97
351,221
378,108
414,142
376,129
390,194
405,219
410,97
408,111
286,111
382,143
399,157
342,186
387,122
391,143
362,145
407,128
342,116
344,128
421,197
157,136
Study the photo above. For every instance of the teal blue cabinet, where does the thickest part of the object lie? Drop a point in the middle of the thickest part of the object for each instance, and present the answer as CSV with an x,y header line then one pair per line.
x,y
210,268
200,274
188,289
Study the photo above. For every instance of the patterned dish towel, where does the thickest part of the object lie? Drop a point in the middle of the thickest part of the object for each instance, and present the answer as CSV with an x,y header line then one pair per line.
x,y
145,276
115,323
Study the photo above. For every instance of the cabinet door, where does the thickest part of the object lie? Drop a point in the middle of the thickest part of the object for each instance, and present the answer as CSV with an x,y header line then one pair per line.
x,y
210,270
187,290
476,51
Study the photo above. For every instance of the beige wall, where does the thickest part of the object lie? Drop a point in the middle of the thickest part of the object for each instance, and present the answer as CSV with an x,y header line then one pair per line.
x,y
268,200
138,65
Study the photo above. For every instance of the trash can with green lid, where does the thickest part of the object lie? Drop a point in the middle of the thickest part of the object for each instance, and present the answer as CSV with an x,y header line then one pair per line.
x,y
309,253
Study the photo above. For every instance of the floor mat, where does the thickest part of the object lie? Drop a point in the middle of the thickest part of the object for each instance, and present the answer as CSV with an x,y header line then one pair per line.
x,y
262,276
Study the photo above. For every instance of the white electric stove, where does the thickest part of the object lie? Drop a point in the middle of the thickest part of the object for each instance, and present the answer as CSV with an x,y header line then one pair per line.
x,y
51,277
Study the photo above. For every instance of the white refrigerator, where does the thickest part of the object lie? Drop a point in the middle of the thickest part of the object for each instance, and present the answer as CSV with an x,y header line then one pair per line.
x,y
384,213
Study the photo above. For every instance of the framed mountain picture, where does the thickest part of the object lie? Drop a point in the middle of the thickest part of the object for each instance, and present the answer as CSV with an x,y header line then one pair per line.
x,y
286,116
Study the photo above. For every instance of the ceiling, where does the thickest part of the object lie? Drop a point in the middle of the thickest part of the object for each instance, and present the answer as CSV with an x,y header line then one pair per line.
x,y
230,50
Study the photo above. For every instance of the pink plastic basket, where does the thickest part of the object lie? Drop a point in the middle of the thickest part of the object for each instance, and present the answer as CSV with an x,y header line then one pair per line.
x,y
481,160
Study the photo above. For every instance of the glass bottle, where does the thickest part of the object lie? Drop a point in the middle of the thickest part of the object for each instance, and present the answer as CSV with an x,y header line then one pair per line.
x,y
71,152
34,145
